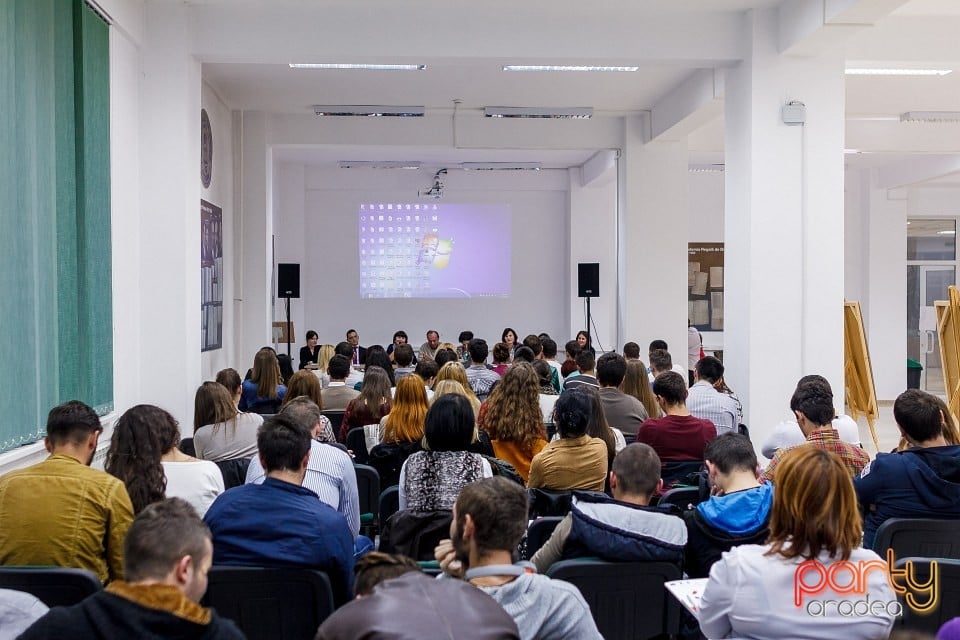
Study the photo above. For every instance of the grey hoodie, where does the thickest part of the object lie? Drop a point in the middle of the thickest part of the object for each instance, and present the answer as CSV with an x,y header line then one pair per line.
x,y
546,609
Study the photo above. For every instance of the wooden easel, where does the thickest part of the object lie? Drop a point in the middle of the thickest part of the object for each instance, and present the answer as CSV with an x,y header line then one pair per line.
x,y
857,370
948,331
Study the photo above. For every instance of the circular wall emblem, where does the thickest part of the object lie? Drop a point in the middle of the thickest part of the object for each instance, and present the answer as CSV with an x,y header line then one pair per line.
x,y
206,149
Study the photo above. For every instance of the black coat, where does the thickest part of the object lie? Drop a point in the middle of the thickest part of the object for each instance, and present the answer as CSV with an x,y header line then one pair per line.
x,y
706,543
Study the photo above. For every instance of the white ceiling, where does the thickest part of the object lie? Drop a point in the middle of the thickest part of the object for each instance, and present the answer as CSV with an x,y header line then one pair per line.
x,y
246,44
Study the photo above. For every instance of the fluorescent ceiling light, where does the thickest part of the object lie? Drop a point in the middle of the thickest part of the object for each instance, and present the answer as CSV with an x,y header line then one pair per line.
x,y
379,164
706,168
368,67
950,232
500,166
897,72
555,67
538,112
930,116
368,110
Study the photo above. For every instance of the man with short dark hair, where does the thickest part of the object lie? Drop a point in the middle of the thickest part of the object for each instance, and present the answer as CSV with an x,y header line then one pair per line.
x,y
704,401
631,351
427,370
489,519
664,361
428,350
463,349
358,354
622,411
920,482
403,356
550,356
480,378
737,513
338,393
280,523
569,366
354,374
167,554
624,528
586,379
535,344
812,404
61,512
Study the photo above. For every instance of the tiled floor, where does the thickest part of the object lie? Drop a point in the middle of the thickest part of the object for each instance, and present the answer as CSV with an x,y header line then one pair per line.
x,y
886,428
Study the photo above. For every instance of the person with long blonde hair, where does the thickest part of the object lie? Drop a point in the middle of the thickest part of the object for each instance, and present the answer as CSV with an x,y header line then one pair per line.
x,y
636,383
756,591
220,432
305,383
511,416
456,372
408,412
264,391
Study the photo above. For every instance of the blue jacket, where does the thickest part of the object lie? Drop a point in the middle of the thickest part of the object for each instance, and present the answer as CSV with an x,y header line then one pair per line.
x,y
279,524
916,483
617,531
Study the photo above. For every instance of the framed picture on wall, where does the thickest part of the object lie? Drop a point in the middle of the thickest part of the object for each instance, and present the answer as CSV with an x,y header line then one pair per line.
x,y
705,285
211,276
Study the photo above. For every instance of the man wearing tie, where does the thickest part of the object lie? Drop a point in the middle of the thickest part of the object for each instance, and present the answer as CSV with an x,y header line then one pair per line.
x,y
359,353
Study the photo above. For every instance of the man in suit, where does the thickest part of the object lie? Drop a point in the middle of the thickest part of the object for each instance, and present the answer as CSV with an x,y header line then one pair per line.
x,y
359,353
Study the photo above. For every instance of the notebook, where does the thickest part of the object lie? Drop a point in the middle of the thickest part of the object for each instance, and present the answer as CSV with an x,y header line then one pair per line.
x,y
688,592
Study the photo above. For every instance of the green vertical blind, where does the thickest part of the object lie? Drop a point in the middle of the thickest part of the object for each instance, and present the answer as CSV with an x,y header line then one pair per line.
x,y
55,257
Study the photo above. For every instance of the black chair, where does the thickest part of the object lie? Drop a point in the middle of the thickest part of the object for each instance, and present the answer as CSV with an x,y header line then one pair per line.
x,y
266,408
545,502
357,442
539,532
186,446
415,533
919,537
629,438
271,604
677,471
234,471
389,504
335,418
368,487
627,599
948,586
54,586
683,498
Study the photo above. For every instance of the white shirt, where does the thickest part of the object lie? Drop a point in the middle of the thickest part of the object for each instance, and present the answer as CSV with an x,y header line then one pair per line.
x,y
706,403
547,401
788,433
199,482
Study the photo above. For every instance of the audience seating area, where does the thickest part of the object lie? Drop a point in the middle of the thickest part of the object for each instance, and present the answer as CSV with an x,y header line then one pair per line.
x,y
54,586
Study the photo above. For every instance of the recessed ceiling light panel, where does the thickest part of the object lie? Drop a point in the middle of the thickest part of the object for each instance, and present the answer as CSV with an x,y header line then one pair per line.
x,y
563,67
930,116
367,67
538,112
500,166
379,164
897,72
368,110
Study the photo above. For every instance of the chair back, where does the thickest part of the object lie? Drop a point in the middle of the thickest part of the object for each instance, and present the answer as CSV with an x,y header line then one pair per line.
x,y
546,502
271,604
415,533
335,418
627,599
539,532
919,537
389,503
948,586
677,471
684,498
368,486
186,446
357,442
266,407
54,586
234,471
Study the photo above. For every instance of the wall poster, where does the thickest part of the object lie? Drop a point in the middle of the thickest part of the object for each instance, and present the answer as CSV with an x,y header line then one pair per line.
x,y
211,276
705,285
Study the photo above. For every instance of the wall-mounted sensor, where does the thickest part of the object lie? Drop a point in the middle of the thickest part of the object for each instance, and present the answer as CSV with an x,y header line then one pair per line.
x,y
794,113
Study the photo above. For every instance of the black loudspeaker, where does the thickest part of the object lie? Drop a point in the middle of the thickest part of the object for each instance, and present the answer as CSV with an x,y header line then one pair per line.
x,y
288,280
588,279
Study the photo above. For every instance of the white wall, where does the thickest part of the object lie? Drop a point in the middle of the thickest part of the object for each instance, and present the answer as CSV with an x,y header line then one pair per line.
x,y
319,230
705,199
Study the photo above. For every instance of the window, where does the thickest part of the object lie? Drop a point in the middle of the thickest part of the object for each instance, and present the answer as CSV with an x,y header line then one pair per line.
x,y
55,274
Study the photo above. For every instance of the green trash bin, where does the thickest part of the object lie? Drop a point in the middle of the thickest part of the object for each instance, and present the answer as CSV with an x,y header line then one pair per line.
x,y
914,369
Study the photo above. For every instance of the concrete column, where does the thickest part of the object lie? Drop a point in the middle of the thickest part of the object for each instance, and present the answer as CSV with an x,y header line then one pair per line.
x,y
654,233
784,226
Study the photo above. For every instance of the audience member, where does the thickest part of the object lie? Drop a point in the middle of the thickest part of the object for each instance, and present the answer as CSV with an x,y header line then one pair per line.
x,y
585,343
463,349
428,350
354,373
622,411
587,376
264,391
427,370
920,482
408,412
399,337
575,461
694,351
678,436
737,513
371,405
523,354
19,610
198,482
550,356
134,455
389,587
501,358
338,394
280,523
445,355
167,555
310,354
455,371
569,366
704,401
480,378
753,589
60,512
327,352
358,354
509,338
637,384
788,433
598,427
403,356
286,370
220,431
230,379
306,384
660,362
624,528
548,395
330,473
511,416
631,351
812,404
489,519
431,480
377,357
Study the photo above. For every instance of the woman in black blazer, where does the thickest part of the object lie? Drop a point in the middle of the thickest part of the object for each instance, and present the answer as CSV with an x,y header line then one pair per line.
x,y
311,352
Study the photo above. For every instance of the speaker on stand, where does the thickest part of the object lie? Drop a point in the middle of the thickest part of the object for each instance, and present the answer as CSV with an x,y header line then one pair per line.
x,y
288,286
588,284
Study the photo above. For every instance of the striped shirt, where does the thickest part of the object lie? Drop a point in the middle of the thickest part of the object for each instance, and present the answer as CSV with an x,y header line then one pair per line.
x,y
705,402
853,457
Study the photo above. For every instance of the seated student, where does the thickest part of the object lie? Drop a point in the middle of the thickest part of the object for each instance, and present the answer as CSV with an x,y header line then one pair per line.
x,y
265,389
660,362
403,356
480,378
575,461
586,363
812,404
624,528
920,482
705,401
220,431
338,393
678,436
489,519
371,405
623,411
390,587
753,590
511,417
738,512
569,365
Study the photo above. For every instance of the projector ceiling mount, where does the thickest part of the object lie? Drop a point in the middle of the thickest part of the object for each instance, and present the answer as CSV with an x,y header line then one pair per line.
x,y
436,191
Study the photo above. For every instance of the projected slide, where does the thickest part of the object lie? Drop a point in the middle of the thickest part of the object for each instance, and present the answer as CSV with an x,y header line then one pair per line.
x,y
434,250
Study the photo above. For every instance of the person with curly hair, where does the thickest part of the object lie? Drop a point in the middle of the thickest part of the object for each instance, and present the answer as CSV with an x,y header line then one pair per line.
x,y
512,418
134,455
199,482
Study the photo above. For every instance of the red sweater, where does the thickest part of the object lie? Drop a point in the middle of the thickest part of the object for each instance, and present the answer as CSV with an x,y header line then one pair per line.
x,y
677,438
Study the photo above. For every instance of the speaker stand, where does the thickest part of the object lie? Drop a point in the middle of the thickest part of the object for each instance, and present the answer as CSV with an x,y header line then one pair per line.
x,y
589,317
287,333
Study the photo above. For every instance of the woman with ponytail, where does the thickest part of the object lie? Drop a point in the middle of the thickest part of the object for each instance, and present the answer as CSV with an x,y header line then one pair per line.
x,y
576,460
